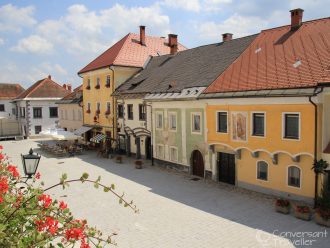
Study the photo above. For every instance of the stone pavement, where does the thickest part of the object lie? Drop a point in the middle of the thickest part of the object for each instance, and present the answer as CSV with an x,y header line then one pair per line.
x,y
175,211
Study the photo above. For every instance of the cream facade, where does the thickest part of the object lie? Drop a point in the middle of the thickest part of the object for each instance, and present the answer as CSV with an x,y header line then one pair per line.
x,y
70,116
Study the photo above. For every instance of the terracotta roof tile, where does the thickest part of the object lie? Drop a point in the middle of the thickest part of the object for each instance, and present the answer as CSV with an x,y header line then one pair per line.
x,y
129,52
10,91
74,97
44,88
280,58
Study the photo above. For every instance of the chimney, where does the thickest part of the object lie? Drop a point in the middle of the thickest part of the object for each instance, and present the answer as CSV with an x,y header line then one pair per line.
x,y
64,86
49,77
143,35
173,43
296,18
69,87
227,37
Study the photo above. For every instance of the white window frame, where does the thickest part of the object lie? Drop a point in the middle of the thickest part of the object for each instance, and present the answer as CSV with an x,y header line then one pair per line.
x,y
287,176
257,166
157,151
251,124
217,121
192,123
177,154
157,114
283,125
169,121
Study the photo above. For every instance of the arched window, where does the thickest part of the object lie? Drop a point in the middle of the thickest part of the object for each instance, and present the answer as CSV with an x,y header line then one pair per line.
x,y
294,176
262,170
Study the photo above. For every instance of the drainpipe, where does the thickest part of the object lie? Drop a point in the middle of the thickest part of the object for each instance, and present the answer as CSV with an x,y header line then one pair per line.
x,y
315,141
113,102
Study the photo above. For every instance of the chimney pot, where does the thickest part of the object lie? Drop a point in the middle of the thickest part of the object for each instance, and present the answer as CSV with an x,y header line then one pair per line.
x,y
64,86
69,87
49,77
227,37
143,35
173,43
296,18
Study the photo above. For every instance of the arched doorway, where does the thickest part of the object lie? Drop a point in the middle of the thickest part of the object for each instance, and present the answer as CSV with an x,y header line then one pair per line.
x,y
197,163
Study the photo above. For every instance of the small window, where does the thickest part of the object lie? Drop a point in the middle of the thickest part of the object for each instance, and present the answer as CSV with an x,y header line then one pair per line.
x,y
258,124
97,86
173,154
53,112
222,122
262,170
160,151
291,126
130,111
88,87
294,176
142,112
120,111
196,123
108,82
98,107
37,113
2,108
13,111
88,107
172,121
108,108
37,129
22,112
159,120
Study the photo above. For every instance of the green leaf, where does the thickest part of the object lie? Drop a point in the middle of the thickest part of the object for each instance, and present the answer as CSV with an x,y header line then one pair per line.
x,y
106,189
112,186
98,179
64,176
85,175
96,185
120,201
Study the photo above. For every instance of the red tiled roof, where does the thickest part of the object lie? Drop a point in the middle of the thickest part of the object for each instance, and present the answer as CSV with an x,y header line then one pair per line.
x,y
280,58
75,94
129,52
10,91
44,88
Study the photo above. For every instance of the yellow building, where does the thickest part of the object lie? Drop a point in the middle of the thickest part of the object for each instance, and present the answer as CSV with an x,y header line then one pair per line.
x,y
104,74
267,114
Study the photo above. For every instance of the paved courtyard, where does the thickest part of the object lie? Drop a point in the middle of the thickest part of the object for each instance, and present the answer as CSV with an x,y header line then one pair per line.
x,y
175,211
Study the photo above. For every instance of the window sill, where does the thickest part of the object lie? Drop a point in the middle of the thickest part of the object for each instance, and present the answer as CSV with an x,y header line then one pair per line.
x,y
37,117
97,87
88,88
107,86
53,116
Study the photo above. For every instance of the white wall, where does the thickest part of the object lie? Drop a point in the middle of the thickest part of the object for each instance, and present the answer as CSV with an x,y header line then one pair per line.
x,y
8,109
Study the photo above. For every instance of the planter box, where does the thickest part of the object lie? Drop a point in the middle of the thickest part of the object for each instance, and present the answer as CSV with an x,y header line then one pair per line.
x,y
283,210
303,216
319,220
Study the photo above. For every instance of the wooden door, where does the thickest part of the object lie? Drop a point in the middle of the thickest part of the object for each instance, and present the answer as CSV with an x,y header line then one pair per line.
x,y
148,147
198,163
226,167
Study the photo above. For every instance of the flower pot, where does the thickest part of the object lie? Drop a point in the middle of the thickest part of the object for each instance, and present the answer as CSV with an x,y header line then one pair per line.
x,y
119,160
283,210
321,221
303,216
138,164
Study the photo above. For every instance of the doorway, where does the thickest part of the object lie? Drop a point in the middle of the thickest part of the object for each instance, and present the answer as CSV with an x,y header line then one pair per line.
x,y
148,147
197,163
226,167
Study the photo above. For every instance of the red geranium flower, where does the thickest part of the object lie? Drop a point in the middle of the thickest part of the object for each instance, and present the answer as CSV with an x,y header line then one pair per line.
x,y
37,175
46,200
1,147
63,205
3,185
13,170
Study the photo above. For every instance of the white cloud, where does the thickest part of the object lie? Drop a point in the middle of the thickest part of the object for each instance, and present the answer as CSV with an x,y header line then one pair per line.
x,y
33,44
189,5
2,41
13,18
237,25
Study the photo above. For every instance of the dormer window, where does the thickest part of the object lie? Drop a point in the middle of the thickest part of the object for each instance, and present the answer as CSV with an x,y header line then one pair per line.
x,y
97,86
108,82
88,87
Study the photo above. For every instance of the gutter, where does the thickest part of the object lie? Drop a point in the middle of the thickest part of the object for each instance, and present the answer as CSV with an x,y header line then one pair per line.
x,y
315,140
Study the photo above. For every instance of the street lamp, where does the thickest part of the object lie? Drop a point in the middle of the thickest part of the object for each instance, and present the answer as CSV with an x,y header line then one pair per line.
x,y
30,163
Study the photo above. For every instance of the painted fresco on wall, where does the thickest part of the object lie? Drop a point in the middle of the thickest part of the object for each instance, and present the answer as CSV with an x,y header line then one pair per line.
x,y
239,126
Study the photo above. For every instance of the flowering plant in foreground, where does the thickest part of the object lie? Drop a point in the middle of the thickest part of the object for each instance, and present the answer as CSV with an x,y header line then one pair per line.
x,y
29,217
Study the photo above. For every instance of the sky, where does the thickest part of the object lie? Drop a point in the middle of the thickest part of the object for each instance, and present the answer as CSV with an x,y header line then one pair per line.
x,y
59,37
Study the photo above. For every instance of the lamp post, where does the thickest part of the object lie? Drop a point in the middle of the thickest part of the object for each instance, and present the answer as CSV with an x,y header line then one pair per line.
x,y
30,163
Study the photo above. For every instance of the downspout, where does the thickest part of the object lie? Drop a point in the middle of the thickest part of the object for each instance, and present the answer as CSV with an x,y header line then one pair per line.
x,y
315,140
113,103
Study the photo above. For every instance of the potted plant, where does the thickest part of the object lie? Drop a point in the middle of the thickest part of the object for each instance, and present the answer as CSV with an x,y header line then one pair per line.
x,y
320,166
119,159
138,164
322,212
303,212
282,206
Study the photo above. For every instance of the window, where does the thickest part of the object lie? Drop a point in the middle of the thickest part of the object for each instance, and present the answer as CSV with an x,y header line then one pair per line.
x,y
142,112
159,120
262,170
65,114
53,112
130,111
37,129
79,115
88,107
108,108
37,113
291,126
98,107
172,121
120,111
22,112
173,154
160,151
258,124
108,82
13,111
196,123
97,86
294,176
222,118
88,87
73,115
2,108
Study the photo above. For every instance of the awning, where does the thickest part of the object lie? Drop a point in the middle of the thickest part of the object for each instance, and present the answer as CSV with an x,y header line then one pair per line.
x,y
81,130
98,138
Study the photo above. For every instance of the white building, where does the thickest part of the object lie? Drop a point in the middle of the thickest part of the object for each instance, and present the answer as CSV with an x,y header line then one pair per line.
x,y
8,92
37,108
